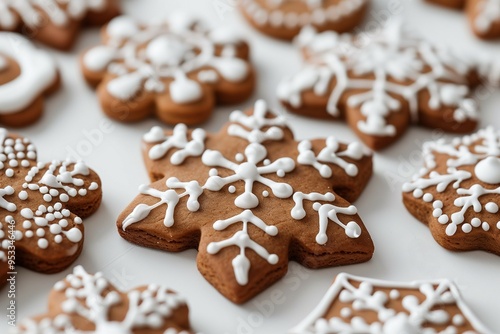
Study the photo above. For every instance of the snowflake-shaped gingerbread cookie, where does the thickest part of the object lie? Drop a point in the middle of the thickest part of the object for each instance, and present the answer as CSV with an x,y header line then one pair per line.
x,y
40,208
27,75
369,306
83,303
250,198
176,69
483,15
55,22
382,86
284,18
457,193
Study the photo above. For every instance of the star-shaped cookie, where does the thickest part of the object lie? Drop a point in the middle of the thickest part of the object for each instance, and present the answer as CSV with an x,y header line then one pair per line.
x,y
382,82
83,303
250,198
368,306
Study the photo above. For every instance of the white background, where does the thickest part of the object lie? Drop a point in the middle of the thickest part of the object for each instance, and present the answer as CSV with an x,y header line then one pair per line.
x,y
405,249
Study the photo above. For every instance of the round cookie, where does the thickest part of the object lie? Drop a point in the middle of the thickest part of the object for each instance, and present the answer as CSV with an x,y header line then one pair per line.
x,y
250,199
177,69
285,18
55,22
89,303
457,193
27,75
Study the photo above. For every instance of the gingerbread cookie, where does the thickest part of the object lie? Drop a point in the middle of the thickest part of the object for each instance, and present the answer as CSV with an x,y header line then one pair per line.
x,y
284,18
457,193
27,75
483,15
369,306
55,22
85,303
382,86
250,198
40,207
176,69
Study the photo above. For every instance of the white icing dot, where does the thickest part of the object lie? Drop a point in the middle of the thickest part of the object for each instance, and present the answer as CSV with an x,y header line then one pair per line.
x,y
58,239
239,157
77,220
232,189
44,190
64,198
394,294
63,223
28,234
9,173
82,192
467,228
280,173
55,229
213,172
47,198
498,225
458,320
476,222
437,205
265,193
40,232
417,193
444,219
437,213
485,226
345,312
26,224
491,207
428,197
43,243
23,195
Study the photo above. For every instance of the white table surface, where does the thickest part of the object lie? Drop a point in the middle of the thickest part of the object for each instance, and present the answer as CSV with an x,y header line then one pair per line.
x,y
405,249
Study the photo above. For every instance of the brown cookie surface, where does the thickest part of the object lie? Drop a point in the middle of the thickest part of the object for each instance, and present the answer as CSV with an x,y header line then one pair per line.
x,y
177,70
27,75
382,83
363,305
250,198
457,194
285,18
55,22
40,208
90,303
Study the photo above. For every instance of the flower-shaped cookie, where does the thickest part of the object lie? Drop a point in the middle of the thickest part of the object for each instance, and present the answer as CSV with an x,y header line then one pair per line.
x,y
40,208
176,69
284,18
368,306
84,303
27,75
483,15
381,84
457,193
55,22
250,198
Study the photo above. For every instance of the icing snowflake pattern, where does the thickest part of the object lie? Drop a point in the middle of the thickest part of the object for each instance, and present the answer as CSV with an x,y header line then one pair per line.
x,y
92,298
33,204
415,307
393,63
247,182
471,174
176,58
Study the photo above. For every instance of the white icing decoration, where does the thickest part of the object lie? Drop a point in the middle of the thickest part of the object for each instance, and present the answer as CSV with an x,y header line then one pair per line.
x,y
391,54
241,239
87,296
178,139
50,221
332,154
326,212
488,14
59,12
256,122
319,14
250,167
417,317
37,72
172,49
481,150
250,173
